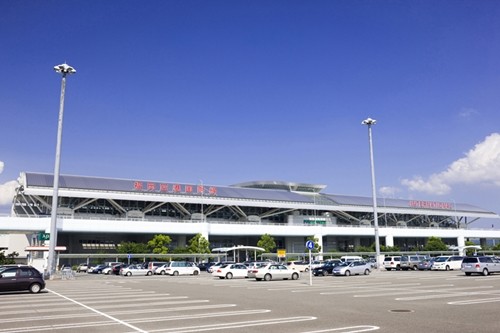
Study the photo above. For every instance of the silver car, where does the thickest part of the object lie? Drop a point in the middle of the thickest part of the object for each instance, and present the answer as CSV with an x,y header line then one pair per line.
x,y
353,268
480,265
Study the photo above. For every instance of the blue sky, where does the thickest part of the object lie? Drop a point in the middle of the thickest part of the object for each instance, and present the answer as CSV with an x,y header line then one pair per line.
x,y
230,91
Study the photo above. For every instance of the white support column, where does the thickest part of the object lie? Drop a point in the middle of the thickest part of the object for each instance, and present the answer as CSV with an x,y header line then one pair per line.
x,y
389,240
461,244
319,237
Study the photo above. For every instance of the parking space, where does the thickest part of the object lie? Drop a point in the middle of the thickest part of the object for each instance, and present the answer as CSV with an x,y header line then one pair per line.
x,y
409,301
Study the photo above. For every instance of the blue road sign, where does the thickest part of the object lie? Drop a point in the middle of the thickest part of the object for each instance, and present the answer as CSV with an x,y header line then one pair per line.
x,y
310,244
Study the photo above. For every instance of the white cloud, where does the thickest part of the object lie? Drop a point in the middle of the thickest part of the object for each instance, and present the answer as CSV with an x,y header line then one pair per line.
x,y
467,113
481,165
388,191
7,192
8,189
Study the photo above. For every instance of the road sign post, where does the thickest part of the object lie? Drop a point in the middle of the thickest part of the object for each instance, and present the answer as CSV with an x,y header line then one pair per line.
x,y
310,246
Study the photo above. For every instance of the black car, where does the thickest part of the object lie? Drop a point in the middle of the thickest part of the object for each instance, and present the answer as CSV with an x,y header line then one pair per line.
x,y
116,268
325,269
97,269
21,278
204,266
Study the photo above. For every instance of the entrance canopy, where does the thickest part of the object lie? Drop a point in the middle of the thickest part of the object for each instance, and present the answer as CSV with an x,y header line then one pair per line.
x,y
236,250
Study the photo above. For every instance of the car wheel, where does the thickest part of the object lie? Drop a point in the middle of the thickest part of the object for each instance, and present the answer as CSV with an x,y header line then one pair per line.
x,y
149,273
468,273
367,271
295,276
128,273
347,273
485,272
195,273
99,272
268,277
415,268
325,273
35,288
162,272
306,270
176,273
388,269
447,268
229,276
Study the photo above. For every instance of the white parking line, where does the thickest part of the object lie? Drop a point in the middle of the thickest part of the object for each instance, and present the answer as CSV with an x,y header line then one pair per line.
x,y
476,301
351,329
98,312
233,325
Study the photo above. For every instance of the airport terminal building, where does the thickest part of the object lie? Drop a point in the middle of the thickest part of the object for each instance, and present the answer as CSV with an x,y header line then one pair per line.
x,y
96,214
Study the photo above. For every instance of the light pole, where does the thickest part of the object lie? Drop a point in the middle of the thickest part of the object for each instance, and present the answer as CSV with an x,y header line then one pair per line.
x,y
369,122
63,69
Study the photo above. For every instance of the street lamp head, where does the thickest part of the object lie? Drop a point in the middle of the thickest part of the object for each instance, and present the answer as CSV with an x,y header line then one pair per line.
x,y
64,69
369,122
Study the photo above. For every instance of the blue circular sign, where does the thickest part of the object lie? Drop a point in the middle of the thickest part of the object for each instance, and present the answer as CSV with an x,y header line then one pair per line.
x,y
310,244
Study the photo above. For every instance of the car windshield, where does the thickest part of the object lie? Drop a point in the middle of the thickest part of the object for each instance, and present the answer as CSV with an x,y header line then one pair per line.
x,y
441,259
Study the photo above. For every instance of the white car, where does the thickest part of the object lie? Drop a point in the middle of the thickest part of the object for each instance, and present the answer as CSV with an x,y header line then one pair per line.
x,y
135,270
445,263
176,268
230,271
274,272
353,268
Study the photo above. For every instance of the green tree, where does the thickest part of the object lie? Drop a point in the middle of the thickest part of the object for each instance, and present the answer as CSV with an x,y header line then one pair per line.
x,y
132,247
317,247
199,244
159,244
435,244
9,259
267,242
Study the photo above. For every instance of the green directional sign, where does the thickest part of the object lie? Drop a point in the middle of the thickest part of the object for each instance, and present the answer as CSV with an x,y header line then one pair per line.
x,y
43,236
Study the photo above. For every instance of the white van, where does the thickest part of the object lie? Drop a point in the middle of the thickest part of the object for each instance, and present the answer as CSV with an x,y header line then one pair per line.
x,y
351,258
178,268
445,263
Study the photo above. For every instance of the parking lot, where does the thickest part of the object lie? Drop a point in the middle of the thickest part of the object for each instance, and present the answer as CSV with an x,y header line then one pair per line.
x,y
395,301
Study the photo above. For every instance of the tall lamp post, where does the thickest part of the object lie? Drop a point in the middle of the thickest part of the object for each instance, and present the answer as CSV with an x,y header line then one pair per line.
x,y
369,122
64,70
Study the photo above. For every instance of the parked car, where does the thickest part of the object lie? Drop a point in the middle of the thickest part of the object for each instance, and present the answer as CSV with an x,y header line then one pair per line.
x,y
178,268
352,268
83,267
447,262
480,265
21,278
410,262
218,264
274,272
426,264
230,271
117,268
392,262
153,265
97,269
300,266
204,266
326,268
136,269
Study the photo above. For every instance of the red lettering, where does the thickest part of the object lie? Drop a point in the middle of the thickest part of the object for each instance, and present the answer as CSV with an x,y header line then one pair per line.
x,y
212,190
177,188
188,189
151,186
164,187
138,185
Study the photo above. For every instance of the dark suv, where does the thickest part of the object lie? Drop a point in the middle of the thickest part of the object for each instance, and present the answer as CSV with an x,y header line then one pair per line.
x,y
21,278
